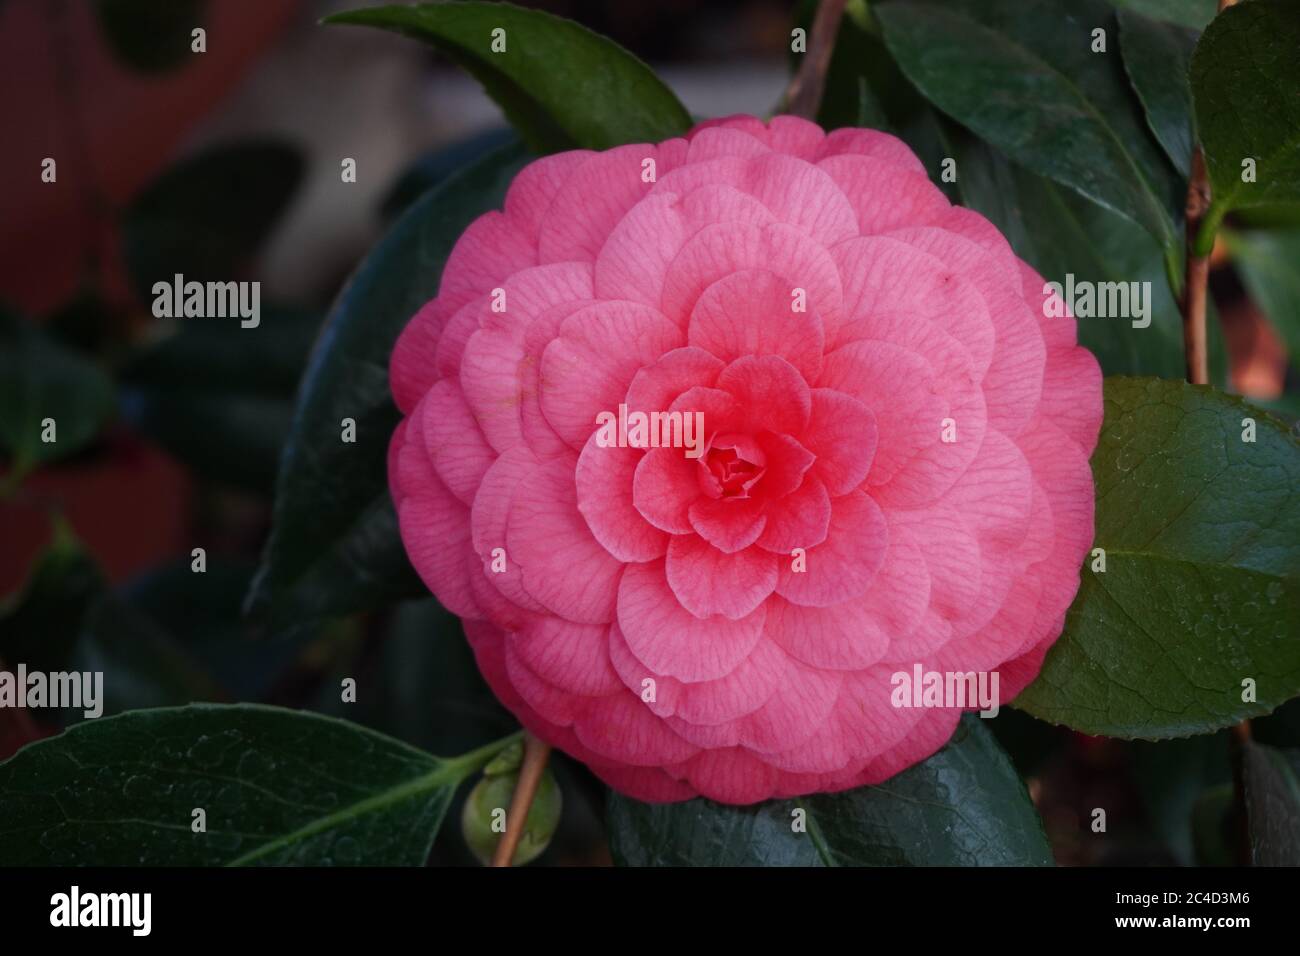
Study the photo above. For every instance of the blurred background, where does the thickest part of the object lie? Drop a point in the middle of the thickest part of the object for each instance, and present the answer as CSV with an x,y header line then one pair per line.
x,y
182,442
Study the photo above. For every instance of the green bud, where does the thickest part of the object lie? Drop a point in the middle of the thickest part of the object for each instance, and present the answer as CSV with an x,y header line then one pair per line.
x,y
483,821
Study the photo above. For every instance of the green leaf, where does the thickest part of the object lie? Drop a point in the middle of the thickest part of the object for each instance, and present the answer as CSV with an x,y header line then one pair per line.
x,y
278,787
1201,588
1269,265
149,36
964,806
1245,72
1060,233
1157,57
430,169
1021,74
1272,790
39,380
560,85
205,216
333,521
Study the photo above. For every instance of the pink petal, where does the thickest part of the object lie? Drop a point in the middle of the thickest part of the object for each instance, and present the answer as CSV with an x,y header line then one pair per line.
x,y
799,520
708,581
435,532
455,444
587,369
604,487
530,195
671,641
546,532
573,657
664,485
718,141
870,142
730,776
411,369
788,462
718,250
884,275
802,195
597,195
770,391
655,387
490,519
898,385
729,524
751,313
841,432
492,248
882,195
620,727
842,566
841,636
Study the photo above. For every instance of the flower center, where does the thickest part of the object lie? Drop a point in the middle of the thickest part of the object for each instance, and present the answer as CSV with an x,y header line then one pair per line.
x,y
730,466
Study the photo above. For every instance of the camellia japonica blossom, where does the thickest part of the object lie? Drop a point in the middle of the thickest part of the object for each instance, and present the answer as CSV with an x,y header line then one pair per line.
x,y
891,468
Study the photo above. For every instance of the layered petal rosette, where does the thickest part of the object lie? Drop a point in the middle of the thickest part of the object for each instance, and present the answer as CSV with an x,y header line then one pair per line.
x,y
868,451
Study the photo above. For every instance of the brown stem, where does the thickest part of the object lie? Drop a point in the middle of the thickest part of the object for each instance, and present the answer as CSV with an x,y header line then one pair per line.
x,y
536,753
1196,281
1239,819
804,94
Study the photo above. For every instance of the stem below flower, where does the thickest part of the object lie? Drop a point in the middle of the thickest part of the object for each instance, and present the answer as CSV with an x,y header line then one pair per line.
x,y
1202,224
536,753
1197,276
804,94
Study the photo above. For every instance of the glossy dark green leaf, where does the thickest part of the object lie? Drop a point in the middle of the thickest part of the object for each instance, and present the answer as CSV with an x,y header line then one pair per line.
x,y
278,787
1201,588
1157,56
205,217
1245,72
1269,265
1272,790
1021,74
148,35
437,165
40,380
560,85
1060,234
333,520
964,806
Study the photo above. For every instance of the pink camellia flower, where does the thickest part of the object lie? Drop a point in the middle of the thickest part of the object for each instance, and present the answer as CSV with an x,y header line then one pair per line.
x,y
890,478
